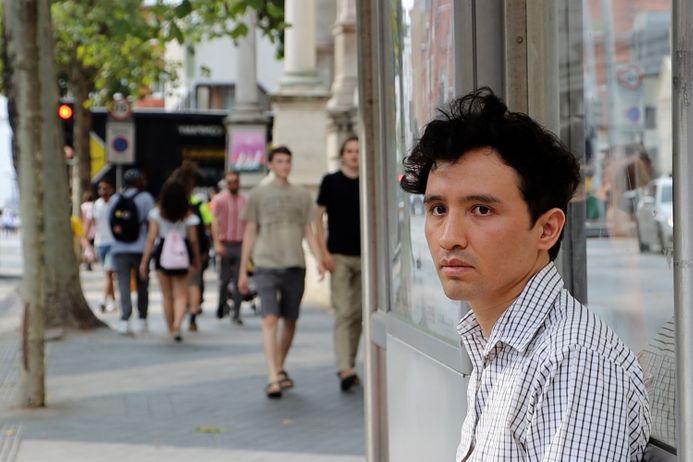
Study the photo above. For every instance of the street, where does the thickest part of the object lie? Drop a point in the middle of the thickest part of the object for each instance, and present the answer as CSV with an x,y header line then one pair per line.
x,y
145,398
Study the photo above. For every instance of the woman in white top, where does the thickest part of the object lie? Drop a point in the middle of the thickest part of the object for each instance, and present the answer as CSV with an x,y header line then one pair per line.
x,y
172,214
103,239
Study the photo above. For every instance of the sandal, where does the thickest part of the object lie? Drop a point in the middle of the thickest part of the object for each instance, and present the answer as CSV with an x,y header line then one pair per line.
x,y
273,390
285,381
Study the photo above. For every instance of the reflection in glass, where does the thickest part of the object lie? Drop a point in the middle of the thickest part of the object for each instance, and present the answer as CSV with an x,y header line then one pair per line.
x,y
627,78
421,34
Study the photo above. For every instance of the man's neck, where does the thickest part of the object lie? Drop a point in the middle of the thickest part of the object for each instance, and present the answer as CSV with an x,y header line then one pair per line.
x,y
233,193
490,309
280,181
350,172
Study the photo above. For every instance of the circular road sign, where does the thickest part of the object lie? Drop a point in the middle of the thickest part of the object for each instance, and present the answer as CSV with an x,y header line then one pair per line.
x,y
120,110
120,144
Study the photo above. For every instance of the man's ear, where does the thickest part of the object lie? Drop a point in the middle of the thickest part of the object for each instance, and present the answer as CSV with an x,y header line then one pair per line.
x,y
550,224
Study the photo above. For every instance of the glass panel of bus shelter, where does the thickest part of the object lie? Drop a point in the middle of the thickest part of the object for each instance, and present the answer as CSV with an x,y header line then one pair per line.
x,y
422,37
628,167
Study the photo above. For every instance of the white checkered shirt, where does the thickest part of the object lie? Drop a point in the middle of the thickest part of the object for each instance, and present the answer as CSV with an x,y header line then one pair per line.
x,y
552,383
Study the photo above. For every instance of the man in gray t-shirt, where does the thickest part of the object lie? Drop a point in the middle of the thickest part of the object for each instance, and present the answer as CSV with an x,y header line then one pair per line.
x,y
278,216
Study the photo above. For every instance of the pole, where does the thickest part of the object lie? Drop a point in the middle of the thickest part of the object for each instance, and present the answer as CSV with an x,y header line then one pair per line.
x,y
682,115
119,177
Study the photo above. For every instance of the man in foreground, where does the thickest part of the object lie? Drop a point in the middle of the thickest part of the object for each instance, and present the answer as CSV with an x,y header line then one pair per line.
x,y
278,216
551,381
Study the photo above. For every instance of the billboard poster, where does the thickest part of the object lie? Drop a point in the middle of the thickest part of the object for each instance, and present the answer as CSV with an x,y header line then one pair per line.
x,y
246,149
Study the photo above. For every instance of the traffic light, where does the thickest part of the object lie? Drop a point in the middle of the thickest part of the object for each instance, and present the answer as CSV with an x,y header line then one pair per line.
x,y
66,114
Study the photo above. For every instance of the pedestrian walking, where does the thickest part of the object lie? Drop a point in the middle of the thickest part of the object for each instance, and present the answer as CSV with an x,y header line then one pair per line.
x,y
196,288
550,380
103,241
338,198
227,232
172,241
278,215
127,212
86,210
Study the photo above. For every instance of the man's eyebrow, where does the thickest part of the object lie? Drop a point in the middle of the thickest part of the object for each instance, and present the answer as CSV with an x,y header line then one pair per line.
x,y
432,198
481,198
484,198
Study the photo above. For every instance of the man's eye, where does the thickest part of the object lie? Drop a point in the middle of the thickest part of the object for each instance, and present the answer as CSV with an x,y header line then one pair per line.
x,y
437,209
481,210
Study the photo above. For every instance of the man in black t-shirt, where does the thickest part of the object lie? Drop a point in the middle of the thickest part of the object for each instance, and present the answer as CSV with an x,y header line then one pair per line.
x,y
339,198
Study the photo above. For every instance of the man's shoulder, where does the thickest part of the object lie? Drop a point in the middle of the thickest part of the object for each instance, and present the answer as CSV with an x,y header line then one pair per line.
x,y
333,176
573,328
299,190
144,198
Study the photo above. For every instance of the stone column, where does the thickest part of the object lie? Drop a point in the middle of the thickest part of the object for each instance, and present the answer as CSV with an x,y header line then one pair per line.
x,y
341,108
246,95
345,67
300,120
246,124
299,45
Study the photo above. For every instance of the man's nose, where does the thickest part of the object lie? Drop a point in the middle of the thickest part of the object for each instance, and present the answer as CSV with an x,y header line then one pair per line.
x,y
453,233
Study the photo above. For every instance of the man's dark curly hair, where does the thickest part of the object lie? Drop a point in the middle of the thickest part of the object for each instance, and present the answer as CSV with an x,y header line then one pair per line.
x,y
549,173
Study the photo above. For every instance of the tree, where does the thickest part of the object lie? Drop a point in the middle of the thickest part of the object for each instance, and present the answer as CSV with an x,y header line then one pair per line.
x,y
27,22
58,278
106,47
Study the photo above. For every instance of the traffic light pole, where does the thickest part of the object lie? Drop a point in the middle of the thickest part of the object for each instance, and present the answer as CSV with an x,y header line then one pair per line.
x,y
119,177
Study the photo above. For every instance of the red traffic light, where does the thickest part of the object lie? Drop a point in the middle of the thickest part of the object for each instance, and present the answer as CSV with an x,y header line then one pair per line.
x,y
65,112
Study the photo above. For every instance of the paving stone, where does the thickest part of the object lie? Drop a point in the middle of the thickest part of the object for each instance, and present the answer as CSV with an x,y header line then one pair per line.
x,y
146,398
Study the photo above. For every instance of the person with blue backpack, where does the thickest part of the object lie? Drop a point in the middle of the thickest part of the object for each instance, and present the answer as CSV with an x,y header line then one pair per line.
x,y
127,214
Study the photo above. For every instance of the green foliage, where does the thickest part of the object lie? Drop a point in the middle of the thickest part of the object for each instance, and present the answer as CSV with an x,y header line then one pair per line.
x,y
196,20
115,46
119,46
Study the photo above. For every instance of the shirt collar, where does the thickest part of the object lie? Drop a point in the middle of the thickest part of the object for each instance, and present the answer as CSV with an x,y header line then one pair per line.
x,y
520,322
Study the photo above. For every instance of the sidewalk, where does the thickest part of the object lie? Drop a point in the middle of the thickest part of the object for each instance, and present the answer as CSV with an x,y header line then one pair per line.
x,y
145,398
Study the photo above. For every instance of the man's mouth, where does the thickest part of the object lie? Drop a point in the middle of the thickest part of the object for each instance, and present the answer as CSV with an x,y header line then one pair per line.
x,y
454,266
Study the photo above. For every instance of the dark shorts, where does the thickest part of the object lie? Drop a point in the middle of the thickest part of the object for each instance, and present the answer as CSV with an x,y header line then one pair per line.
x,y
280,290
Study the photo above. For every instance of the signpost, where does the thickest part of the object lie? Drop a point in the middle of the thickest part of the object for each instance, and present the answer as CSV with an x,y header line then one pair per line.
x,y
120,137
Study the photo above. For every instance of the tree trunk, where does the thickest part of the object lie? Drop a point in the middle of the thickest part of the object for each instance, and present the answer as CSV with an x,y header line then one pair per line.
x,y
23,20
81,84
9,91
67,306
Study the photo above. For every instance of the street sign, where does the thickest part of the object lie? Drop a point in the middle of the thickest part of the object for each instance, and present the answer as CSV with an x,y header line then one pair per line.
x,y
628,76
120,110
120,140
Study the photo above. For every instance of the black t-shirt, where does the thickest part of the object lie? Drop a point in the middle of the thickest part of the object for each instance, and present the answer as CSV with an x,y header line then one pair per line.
x,y
339,194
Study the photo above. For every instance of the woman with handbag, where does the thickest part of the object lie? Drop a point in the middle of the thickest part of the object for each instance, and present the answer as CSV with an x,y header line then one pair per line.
x,y
172,241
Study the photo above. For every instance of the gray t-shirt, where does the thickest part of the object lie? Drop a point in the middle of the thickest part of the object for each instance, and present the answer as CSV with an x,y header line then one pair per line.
x,y
281,214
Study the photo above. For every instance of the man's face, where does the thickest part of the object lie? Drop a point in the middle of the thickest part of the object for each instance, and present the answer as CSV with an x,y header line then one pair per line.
x,y
281,165
350,155
232,182
104,189
478,228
